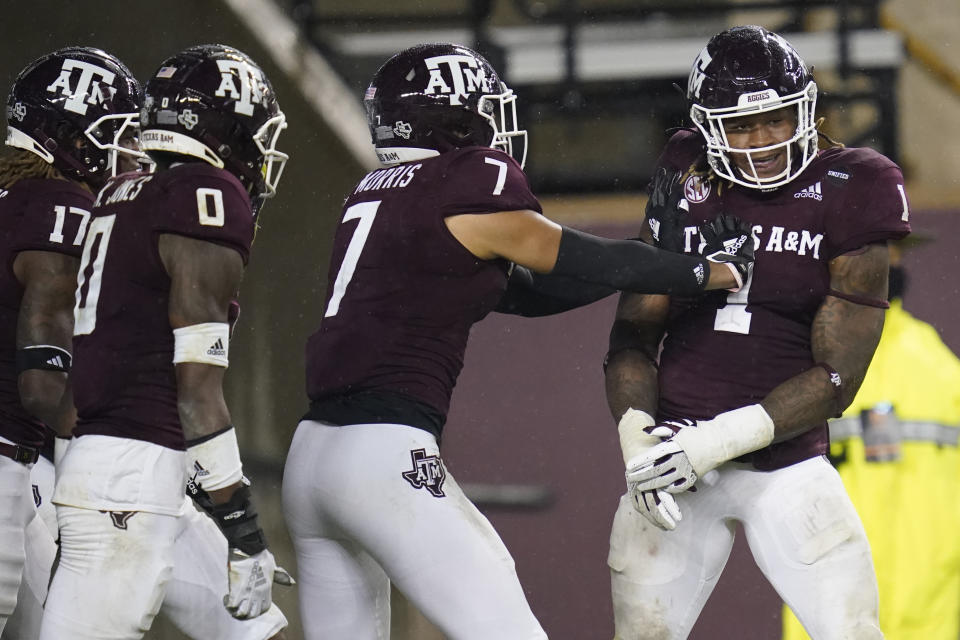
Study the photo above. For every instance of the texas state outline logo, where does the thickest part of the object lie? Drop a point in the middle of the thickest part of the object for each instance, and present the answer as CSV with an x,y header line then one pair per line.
x,y
427,473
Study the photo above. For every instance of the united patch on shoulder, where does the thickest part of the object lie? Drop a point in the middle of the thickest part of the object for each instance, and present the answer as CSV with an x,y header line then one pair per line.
x,y
427,473
838,176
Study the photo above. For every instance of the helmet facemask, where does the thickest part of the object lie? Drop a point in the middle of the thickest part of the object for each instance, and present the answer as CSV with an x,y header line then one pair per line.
x,y
801,148
107,134
502,116
273,160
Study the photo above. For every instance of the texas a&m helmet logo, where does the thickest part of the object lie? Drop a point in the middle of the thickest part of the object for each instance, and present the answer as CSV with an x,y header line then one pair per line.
x,y
84,84
242,82
427,473
698,73
464,71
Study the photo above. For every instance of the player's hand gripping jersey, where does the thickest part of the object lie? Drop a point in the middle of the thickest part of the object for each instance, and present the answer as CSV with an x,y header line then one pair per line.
x,y
728,350
123,378
35,215
402,292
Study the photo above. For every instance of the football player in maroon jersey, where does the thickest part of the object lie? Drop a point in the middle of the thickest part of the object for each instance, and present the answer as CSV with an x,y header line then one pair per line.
x,y
67,115
161,262
727,423
425,249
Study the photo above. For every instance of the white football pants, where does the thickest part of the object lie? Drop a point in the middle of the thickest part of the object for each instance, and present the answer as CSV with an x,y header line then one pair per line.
x,y
801,527
366,504
16,510
112,574
194,594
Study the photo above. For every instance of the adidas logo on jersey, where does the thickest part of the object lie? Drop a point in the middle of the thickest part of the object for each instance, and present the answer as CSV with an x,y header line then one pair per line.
x,y
699,273
56,361
654,228
216,349
813,191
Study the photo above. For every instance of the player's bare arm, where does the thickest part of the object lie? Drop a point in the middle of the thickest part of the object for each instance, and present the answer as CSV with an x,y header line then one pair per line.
x,y
45,328
203,280
845,333
204,277
532,240
631,368
632,393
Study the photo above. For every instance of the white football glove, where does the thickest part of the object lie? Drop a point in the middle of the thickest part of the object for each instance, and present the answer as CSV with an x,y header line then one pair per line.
x,y
638,435
694,450
250,583
657,506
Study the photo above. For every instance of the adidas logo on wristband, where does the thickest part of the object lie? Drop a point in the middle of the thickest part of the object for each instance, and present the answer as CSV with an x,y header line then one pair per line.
x,y
216,349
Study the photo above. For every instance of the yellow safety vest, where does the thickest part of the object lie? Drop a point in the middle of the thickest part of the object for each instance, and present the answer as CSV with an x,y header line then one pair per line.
x,y
909,504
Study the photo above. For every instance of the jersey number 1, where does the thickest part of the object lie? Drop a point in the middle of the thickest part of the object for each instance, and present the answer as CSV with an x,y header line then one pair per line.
x,y
734,317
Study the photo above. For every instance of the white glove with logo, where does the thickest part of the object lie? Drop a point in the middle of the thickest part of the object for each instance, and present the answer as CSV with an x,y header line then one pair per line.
x,y
695,449
250,583
656,505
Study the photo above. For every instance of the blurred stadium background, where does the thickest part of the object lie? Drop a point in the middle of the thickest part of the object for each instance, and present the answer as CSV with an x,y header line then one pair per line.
x,y
529,432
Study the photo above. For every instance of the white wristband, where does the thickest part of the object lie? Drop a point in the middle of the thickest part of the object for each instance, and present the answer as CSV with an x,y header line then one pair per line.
x,y
725,437
633,439
207,343
215,463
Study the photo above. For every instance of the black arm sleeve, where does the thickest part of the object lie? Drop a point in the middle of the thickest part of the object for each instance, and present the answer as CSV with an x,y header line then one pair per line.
x,y
628,265
532,294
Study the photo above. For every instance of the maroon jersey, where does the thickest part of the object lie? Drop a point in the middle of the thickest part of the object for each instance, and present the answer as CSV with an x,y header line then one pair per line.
x,y
726,350
402,292
124,382
35,215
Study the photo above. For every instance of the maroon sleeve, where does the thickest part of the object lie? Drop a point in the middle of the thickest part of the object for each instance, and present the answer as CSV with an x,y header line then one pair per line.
x,y
209,205
682,150
875,209
482,180
53,216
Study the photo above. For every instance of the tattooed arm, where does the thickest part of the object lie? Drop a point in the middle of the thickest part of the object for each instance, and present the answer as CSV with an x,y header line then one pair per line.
x,y
844,336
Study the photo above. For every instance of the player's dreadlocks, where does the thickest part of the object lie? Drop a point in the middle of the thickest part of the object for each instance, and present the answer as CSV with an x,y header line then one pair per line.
x,y
17,164
702,169
830,142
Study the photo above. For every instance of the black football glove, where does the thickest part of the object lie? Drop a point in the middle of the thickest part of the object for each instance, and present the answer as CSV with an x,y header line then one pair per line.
x,y
667,211
729,240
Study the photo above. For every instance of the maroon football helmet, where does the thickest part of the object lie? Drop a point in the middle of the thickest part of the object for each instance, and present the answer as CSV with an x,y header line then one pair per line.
x,y
72,108
433,98
747,70
214,103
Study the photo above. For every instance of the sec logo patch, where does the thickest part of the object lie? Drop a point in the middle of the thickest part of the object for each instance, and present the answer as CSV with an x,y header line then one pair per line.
x,y
696,190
